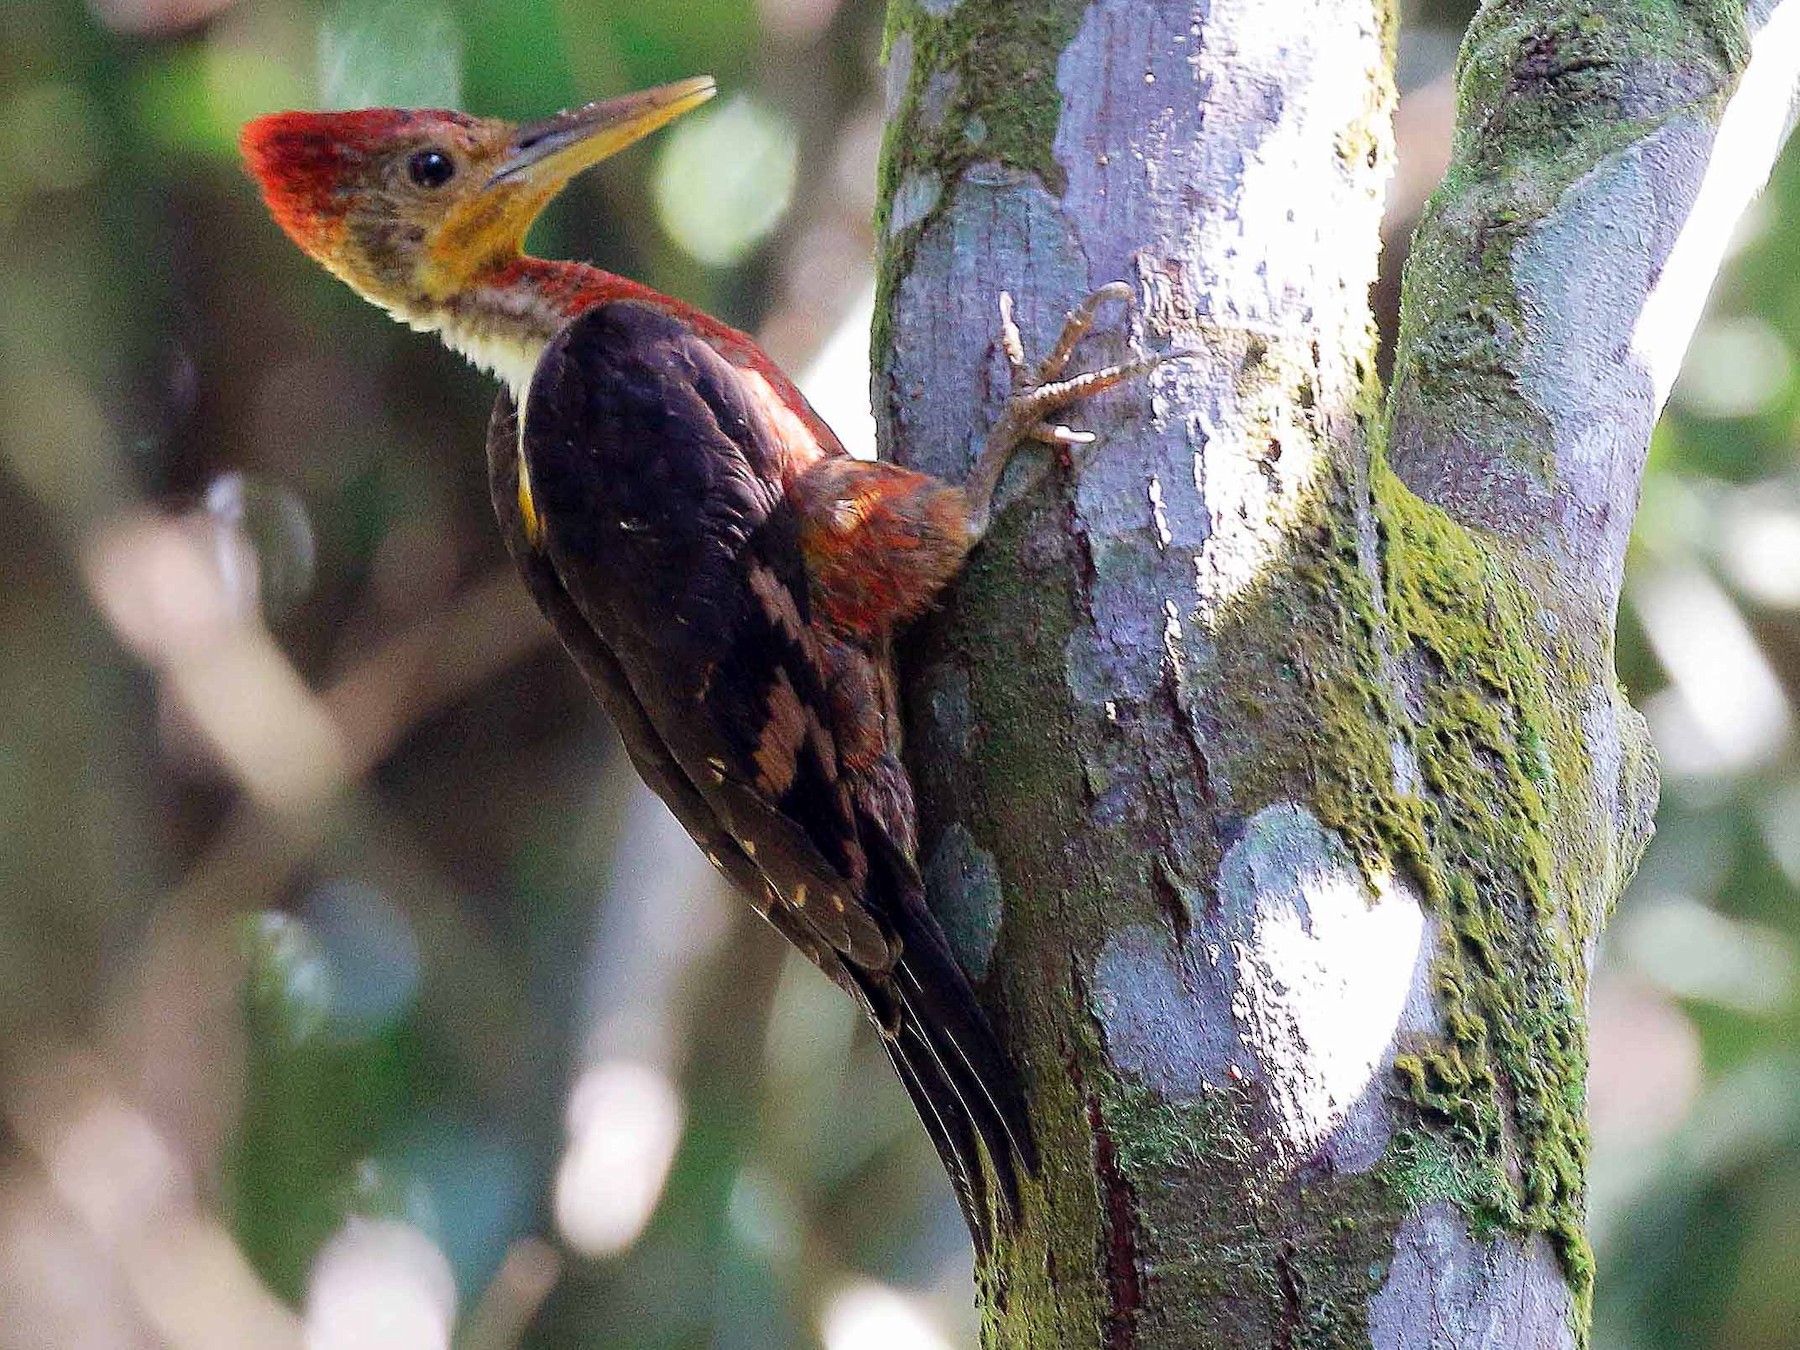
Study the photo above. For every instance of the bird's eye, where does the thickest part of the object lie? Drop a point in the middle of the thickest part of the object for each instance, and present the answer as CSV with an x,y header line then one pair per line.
x,y
430,168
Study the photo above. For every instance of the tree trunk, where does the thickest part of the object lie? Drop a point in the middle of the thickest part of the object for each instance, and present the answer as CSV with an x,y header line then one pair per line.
x,y
1274,776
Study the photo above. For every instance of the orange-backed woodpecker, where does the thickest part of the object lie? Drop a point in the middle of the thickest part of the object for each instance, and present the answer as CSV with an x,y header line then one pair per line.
x,y
725,575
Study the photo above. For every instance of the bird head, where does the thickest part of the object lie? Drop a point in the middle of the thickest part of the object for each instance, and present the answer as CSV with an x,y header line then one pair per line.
x,y
412,207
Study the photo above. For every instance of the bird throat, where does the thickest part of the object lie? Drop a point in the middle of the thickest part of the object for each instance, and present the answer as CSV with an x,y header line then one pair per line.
x,y
502,332
502,324
503,321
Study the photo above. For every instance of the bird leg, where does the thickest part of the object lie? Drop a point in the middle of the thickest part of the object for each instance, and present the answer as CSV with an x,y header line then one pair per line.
x,y
1041,391
881,542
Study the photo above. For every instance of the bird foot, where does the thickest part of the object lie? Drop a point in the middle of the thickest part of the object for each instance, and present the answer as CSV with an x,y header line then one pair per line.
x,y
1041,391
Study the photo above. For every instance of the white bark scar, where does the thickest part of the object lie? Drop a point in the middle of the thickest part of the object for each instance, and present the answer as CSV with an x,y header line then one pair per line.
x,y
1755,124
1304,986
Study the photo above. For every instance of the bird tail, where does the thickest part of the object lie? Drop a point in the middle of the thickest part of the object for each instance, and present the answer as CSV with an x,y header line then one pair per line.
x,y
961,1081
958,1147
960,1061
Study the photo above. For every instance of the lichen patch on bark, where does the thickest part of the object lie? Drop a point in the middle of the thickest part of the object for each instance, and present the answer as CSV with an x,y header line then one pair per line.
x,y
1325,980
968,82
1318,984
1480,1295
963,885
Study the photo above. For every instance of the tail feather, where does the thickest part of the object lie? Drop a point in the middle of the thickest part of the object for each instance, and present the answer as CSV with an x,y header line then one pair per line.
x,y
952,1136
961,1080
970,1064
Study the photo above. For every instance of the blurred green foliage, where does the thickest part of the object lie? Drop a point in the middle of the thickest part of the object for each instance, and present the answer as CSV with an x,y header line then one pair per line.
x,y
1697,1222
375,1003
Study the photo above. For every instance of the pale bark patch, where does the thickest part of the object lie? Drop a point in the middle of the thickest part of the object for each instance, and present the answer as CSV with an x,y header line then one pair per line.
x,y
1446,1291
1300,981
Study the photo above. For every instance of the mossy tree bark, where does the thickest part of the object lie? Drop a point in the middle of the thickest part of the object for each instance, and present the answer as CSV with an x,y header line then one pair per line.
x,y
1274,774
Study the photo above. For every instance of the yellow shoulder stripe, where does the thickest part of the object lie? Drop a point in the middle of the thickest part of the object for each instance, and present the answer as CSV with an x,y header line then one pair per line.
x,y
534,527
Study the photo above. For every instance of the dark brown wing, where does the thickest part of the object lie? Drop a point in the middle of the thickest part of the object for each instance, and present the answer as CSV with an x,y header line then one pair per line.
x,y
651,474
647,752
668,561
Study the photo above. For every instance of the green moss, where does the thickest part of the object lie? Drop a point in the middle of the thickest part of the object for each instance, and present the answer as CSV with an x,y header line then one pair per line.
x,y
995,100
1544,94
1424,1166
1504,771
1395,672
1026,785
1448,667
1303,1256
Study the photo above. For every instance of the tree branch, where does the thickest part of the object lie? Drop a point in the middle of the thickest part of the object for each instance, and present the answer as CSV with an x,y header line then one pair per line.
x,y
1278,806
1603,155
1100,830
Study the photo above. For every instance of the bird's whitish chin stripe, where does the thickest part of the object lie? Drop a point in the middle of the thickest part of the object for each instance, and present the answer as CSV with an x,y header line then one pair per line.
x,y
501,334
508,356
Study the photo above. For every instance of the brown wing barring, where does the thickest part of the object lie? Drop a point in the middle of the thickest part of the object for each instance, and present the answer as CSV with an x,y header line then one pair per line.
x,y
666,556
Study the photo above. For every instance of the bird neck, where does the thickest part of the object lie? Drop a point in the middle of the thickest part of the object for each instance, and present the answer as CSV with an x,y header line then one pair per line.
x,y
503,321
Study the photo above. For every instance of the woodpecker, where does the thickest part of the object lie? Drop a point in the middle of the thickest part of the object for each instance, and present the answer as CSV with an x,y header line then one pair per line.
x,y
727,578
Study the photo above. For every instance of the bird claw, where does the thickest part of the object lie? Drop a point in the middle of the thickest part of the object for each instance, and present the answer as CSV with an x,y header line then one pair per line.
x,y
1040,391
1058,434
1076,325
1012,344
